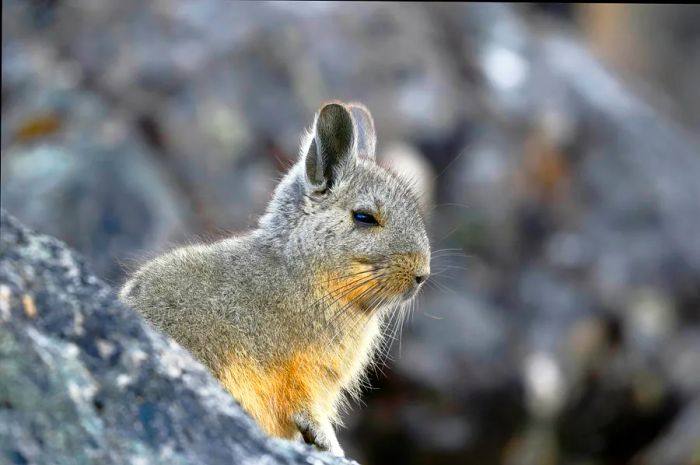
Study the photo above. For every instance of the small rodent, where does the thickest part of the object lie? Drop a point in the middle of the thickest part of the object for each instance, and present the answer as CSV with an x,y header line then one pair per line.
x,y
289,315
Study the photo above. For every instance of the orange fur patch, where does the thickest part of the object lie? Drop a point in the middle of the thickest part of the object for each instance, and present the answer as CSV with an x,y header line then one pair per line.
x,y
272,395
354,284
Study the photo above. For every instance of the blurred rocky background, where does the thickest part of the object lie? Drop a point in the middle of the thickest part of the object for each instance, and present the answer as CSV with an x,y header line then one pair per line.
x,y
557,146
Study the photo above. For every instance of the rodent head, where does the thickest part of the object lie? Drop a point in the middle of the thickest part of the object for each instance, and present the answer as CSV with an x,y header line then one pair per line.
x,y
352,224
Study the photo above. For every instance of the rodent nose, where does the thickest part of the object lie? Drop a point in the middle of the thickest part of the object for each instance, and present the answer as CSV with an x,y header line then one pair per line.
x,y
421,278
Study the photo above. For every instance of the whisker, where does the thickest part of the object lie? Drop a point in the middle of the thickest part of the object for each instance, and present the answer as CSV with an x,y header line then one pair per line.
x,y
452,249
435,267
359,282
336,278
341,293
339,312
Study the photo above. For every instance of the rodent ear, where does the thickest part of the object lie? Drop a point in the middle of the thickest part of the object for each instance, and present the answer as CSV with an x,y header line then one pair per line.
x,y
332,145
364,129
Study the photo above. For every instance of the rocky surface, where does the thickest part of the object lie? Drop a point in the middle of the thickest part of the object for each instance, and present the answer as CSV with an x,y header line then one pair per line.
x,y
86,381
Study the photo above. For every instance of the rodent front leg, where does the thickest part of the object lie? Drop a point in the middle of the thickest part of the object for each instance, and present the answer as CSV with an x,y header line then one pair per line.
x,y
318,432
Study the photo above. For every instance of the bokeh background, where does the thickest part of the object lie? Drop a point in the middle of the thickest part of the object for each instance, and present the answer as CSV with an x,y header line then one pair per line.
x,y
556,145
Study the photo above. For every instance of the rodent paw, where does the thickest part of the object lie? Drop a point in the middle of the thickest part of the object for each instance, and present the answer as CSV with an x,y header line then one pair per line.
x,y
329,443
321,436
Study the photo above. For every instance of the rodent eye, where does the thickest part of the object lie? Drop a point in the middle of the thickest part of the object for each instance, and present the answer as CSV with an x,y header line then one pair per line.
x,y
365,219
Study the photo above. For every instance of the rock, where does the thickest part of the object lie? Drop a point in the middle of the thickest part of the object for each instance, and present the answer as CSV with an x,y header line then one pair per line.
x,y
643,42
65,149
680,445
122,207
85,380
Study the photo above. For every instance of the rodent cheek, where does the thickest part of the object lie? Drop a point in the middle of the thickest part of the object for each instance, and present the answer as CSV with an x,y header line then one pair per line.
x,y
347,284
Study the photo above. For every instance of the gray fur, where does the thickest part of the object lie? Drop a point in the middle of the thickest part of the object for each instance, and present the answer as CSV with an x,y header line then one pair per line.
x,y
317,432
366,137
255,292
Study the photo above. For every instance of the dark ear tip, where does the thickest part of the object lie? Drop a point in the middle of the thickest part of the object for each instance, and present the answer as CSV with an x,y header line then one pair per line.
x,y
333,111
335,117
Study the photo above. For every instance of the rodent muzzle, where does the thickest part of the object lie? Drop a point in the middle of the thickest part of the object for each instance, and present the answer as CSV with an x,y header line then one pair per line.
x,y
372,284
421,278
406,274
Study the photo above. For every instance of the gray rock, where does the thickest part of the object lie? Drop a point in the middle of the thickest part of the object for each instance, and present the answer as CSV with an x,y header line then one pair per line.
x,y
121,206
66,150
86,381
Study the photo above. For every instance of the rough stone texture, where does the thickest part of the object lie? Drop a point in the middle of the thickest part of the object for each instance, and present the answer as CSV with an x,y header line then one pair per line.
x,y
86,381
